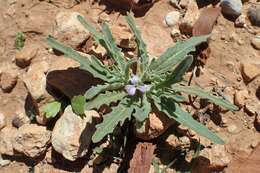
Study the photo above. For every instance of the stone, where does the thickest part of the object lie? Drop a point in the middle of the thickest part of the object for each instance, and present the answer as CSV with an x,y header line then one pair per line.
x,y
4,162
184,3
72,134
173,141
231,8
175,32
241,21
218,156
240,97
2,120
35,79
65,3
175,3
69,30
249,71
252,107
20,119
190,17
24,56
254,14
8,82
7,135
32,140
156,124
172,18
123,36
233,129
256,42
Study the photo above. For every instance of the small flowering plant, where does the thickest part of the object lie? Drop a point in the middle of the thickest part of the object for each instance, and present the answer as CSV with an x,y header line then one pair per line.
x,y
137,85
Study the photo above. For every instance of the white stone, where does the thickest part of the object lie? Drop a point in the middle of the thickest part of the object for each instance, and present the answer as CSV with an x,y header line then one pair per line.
x,y
172,18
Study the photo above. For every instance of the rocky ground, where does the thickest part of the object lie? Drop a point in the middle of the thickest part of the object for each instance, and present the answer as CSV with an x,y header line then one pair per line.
x,y
34,75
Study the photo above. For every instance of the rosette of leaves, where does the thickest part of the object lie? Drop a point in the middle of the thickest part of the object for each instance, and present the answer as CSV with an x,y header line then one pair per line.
x,y
136,85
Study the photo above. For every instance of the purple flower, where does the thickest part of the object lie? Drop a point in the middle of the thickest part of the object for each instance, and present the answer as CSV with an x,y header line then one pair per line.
x,y
130,89
144,88
134,80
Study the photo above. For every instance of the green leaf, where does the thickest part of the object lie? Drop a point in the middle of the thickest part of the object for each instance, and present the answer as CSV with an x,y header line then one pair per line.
x,y
78,104
178,72
52,109
172,110
176,54
142,109
93,91
118,115
142,52
19,40
201,93
114,51
127,69
85,62
106,41
105,99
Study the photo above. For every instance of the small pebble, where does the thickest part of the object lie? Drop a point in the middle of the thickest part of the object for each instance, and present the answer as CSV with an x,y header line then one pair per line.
x,y
241,21
232,8
172,18
175,32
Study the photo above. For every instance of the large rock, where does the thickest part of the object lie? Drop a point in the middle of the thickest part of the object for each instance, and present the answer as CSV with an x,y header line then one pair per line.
x,y
191,16
69,30
35,79
72,134
123,36
256,42
232,8
32,140
7,136
154,126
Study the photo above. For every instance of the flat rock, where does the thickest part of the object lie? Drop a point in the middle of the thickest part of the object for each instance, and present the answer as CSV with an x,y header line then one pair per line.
x,y
190,17
35,79
69,30
72,134
24,56
7,82
32,140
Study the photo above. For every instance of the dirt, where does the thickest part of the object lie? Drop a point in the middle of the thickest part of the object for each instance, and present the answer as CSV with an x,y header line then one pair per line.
x,y
230,46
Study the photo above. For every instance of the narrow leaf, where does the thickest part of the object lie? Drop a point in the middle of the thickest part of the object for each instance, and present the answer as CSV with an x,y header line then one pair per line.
x,y
142,52
178,72
201,93
172,110
93,91
105,99
118,115
51,109
78,104
85,62
176,54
